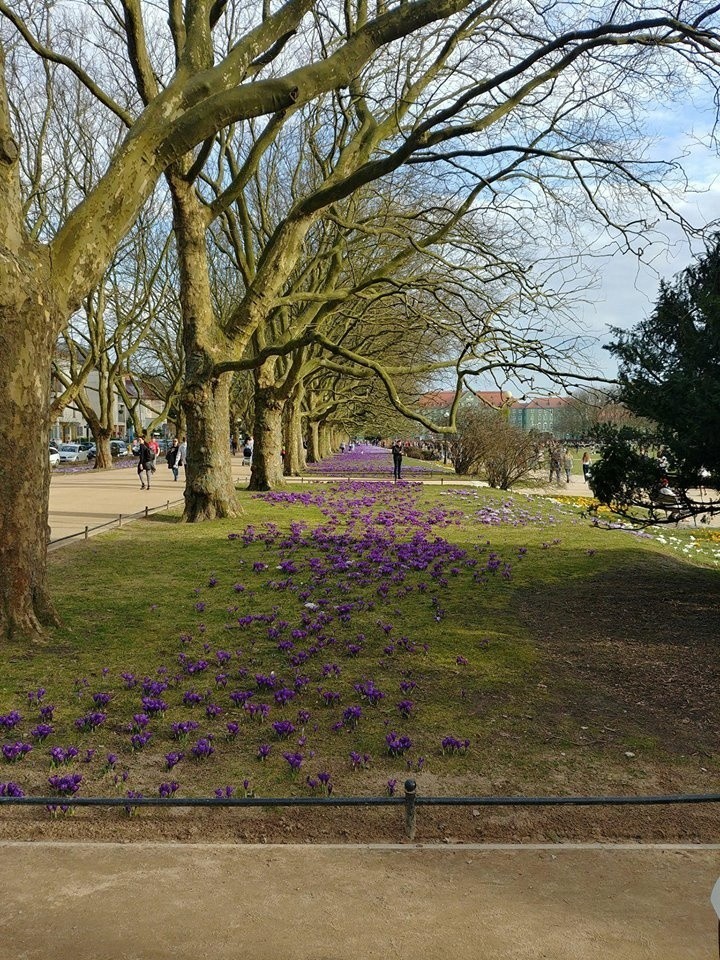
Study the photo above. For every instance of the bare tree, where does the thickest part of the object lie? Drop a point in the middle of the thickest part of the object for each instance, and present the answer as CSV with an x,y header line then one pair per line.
x,y
166,96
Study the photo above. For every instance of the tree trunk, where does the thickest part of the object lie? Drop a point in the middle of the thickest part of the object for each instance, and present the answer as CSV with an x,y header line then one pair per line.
x,y
266,471
27,338
313,442
103,453
294,460
209,487
324,440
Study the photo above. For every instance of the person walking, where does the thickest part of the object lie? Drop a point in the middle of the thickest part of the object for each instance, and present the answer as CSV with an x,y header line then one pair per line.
x,y
567,465
146,463
183,452
555,461
586,466
397,455
173,458
154,446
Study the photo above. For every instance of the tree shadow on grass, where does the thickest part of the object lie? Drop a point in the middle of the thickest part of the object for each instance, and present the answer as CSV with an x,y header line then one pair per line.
x,y
635,646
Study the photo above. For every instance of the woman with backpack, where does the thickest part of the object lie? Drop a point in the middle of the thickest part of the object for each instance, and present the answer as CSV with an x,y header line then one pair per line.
x,y
146,463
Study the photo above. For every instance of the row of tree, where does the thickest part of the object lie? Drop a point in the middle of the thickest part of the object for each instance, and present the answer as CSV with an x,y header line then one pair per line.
x,y
357,193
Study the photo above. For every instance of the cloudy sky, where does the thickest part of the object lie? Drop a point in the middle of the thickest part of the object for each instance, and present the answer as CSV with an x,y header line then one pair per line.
x,y
627,286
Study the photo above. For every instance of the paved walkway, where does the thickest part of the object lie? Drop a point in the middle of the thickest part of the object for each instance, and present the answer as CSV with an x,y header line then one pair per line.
x,y
94,497
193,901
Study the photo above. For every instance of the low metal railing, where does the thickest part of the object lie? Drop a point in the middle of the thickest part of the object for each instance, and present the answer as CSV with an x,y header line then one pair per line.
x,y
410,801
115,522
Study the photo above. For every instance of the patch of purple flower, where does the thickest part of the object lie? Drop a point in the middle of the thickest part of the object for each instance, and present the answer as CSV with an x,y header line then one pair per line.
x,y
397,744
294,760
16,751
11,789
10,720
66,784
91,721
41,731
173,759
454,745
203,749
283,728
182,728
154,705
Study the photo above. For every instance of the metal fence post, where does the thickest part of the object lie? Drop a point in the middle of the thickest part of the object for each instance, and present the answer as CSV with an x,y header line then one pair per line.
x,y
146,513
119,519
86,532
410,789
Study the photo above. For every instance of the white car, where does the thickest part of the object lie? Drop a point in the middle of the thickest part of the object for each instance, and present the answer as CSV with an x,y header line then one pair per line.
x,y
72,453
54,457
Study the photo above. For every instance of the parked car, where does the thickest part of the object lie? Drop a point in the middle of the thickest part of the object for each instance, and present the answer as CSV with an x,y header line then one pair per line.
x,y
72,453
118,448
54,457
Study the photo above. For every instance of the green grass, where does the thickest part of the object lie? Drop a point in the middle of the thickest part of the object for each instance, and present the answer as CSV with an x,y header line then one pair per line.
x,y
128,597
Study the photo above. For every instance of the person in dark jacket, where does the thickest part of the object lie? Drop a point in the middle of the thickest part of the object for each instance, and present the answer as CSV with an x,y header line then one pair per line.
x,y
146,463
397,454
174,458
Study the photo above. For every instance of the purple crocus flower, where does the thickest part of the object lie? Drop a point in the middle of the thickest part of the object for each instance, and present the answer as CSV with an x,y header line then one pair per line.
x,y
351,715
203,749
168,789
173,759
11,789
181,729
154,705
10,720
295,760
66,784
91,721
263,751
397,744
16,751
232,729
138,741
224,793
41,731
283,728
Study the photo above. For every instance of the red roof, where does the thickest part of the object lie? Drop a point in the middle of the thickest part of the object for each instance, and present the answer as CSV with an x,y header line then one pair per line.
x,y
494,398
542,403
437,399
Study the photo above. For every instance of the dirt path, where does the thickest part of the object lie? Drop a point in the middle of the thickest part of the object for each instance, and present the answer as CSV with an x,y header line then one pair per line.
x,y
154,901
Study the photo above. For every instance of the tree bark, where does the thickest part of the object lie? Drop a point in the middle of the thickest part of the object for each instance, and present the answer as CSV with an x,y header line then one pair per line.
x,y
313,442
27,325
103,453
267,464
324,440
209,487
294,459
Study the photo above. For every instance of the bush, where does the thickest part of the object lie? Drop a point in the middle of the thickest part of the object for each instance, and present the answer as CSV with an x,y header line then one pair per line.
x,y
487,444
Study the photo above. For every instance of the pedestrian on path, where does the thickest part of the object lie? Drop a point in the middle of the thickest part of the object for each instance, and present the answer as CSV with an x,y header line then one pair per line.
x,y
174,460
397,455
146,463
567,465
183,452
586,466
